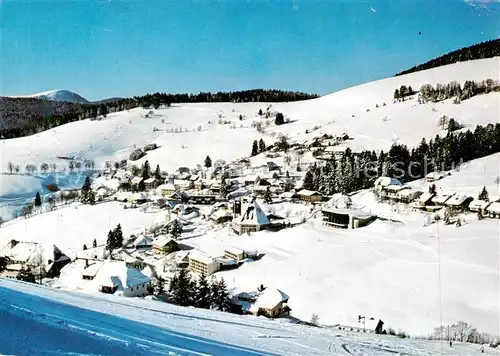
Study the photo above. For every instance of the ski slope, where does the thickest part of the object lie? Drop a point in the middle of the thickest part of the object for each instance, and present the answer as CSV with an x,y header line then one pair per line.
x,y
41,321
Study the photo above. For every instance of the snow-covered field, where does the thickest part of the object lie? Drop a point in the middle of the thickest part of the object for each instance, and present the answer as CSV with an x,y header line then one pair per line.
x,y
42,321
72,227
388,270
115,137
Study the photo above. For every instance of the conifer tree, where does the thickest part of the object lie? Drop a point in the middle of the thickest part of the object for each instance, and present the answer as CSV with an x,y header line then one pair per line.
x,y
203,296
87,195
483,195
38,200
94,244
176,229
158,172
84,247
262,146
118,236
159,287
145,174
110,242
220,295
208,162
308,180
182,291
86,184
91,197
255,148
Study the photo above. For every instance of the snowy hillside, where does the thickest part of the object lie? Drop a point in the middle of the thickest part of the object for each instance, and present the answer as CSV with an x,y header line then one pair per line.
x,y
186,133
200,131
67,323
58,95
470,178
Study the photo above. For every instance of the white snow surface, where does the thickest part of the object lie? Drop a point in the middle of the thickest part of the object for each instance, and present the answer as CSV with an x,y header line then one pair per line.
x,y
69,228
40,321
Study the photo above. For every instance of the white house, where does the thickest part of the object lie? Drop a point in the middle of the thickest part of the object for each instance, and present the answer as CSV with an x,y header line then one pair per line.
x,y
271,303
433,176
118,276
143,242
382,182
408,195
166,189
238,254
493,210
478,204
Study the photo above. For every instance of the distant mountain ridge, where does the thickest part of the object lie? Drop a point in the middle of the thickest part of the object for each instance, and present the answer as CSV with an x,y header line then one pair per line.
x,y
61,95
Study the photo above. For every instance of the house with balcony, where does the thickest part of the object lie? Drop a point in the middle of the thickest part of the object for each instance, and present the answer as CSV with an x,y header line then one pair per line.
x,y
202,264
346,218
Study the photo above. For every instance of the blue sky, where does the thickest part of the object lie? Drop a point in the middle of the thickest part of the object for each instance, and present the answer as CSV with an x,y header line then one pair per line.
x,y
123,48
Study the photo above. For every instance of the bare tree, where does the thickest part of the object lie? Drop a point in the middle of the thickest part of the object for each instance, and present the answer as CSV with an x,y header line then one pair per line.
x,y
51,202
30,168
37,262
10,167
44,167
314,319
287,160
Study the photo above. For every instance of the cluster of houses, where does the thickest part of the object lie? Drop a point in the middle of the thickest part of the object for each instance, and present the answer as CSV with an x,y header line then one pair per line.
x,y
433,200
42,260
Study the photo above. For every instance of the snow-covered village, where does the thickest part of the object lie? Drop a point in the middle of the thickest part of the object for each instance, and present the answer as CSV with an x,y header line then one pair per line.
x,y
269,222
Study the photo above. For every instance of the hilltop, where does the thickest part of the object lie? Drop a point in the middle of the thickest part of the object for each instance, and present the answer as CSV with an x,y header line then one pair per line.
x,y
59,95
487,49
